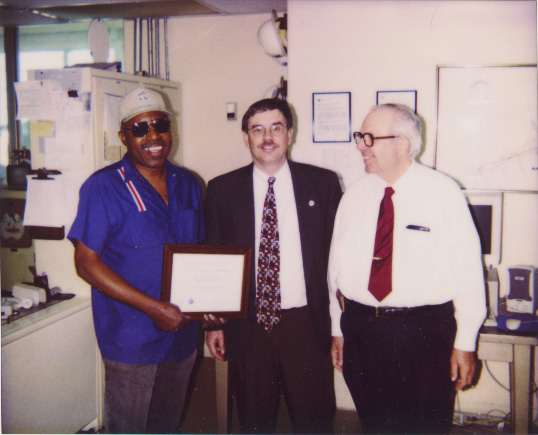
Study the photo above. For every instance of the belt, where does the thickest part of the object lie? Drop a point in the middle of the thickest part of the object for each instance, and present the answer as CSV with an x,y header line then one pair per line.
x,y
424,310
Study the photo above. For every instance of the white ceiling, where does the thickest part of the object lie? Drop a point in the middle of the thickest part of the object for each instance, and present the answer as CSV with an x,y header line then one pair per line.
x,y
27,12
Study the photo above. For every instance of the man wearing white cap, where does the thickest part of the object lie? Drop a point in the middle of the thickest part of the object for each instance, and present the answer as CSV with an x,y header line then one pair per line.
x,y
127,212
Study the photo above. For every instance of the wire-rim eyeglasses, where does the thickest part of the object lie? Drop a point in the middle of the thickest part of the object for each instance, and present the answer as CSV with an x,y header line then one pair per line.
x,y
275,130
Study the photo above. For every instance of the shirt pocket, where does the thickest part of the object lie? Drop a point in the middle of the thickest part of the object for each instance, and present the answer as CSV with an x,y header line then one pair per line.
x,y
185,226
146,231
419,241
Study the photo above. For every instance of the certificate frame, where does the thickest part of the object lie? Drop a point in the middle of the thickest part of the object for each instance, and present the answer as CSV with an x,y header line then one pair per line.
x,y
331,117
407,98
207,279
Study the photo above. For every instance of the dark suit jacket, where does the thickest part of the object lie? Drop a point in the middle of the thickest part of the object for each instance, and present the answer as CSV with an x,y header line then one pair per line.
x,y
229,220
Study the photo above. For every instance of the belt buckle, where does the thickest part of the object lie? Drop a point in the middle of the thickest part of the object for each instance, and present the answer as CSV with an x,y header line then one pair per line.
x,y
384,312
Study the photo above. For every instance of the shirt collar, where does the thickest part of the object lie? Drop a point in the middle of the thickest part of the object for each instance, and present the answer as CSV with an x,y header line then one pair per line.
x,y
406,177
131,172
400,183
283,173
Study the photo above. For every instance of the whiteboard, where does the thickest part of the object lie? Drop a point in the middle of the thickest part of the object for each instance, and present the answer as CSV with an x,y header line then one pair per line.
x,y
486,131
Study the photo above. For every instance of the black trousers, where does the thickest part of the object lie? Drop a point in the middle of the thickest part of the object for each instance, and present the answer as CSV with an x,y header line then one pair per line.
x,y
287,359
398,371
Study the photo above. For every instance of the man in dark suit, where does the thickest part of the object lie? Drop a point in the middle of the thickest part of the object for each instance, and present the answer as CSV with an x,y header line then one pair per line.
x,y
284,345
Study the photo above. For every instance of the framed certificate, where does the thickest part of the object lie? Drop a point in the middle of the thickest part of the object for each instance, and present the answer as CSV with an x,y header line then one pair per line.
x,y
202,279
407,98
331,117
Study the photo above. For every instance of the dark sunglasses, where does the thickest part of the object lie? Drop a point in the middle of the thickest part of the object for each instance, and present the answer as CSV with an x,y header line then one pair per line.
x,y
140,129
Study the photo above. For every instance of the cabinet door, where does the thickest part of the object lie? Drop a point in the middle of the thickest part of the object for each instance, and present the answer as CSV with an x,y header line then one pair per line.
x,y
50,378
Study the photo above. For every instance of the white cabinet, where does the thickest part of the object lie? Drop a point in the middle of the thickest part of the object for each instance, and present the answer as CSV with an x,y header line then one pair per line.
x,y
51,367
99,146
51,371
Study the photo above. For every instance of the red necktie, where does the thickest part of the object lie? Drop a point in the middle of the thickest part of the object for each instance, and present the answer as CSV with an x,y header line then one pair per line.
x,y
268,280
380,284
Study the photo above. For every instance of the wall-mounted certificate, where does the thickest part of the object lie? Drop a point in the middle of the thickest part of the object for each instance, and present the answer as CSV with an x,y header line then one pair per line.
x,y
203,279
331,117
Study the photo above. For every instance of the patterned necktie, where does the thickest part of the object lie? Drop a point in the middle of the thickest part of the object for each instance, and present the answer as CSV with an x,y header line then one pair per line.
x,y
380,284
268,282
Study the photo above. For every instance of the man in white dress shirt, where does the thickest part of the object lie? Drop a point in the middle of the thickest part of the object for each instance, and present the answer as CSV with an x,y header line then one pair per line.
x,y
405,352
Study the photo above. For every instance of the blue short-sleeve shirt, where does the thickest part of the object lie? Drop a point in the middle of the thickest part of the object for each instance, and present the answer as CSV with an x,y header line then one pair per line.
x,y
123,218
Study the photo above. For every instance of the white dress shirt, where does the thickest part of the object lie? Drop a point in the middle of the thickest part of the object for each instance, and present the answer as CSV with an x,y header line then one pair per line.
x,y
292,282
436,253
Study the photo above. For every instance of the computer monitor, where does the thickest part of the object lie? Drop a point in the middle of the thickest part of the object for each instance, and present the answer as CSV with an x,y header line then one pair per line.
x,y
487,211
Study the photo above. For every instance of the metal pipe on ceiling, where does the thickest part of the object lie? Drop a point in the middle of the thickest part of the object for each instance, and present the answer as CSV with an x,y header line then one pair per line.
x,y
167,74
151,38
149,22
140,43
157,48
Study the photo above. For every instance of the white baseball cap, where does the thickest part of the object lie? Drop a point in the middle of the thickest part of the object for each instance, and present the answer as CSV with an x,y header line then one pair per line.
x,y
139,101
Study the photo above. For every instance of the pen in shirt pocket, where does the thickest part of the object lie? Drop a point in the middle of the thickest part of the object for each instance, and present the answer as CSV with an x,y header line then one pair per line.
x,y
418,228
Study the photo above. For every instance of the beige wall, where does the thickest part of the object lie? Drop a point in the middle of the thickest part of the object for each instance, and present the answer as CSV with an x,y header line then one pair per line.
x,y
395,46
217,59
365,46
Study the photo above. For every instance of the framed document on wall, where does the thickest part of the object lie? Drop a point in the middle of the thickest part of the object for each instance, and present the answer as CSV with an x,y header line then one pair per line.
x,y
202,279
331,117
407,98
486,130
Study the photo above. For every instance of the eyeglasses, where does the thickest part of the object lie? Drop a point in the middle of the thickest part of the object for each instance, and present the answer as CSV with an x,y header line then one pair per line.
x,y
275,130
140,129
369,138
